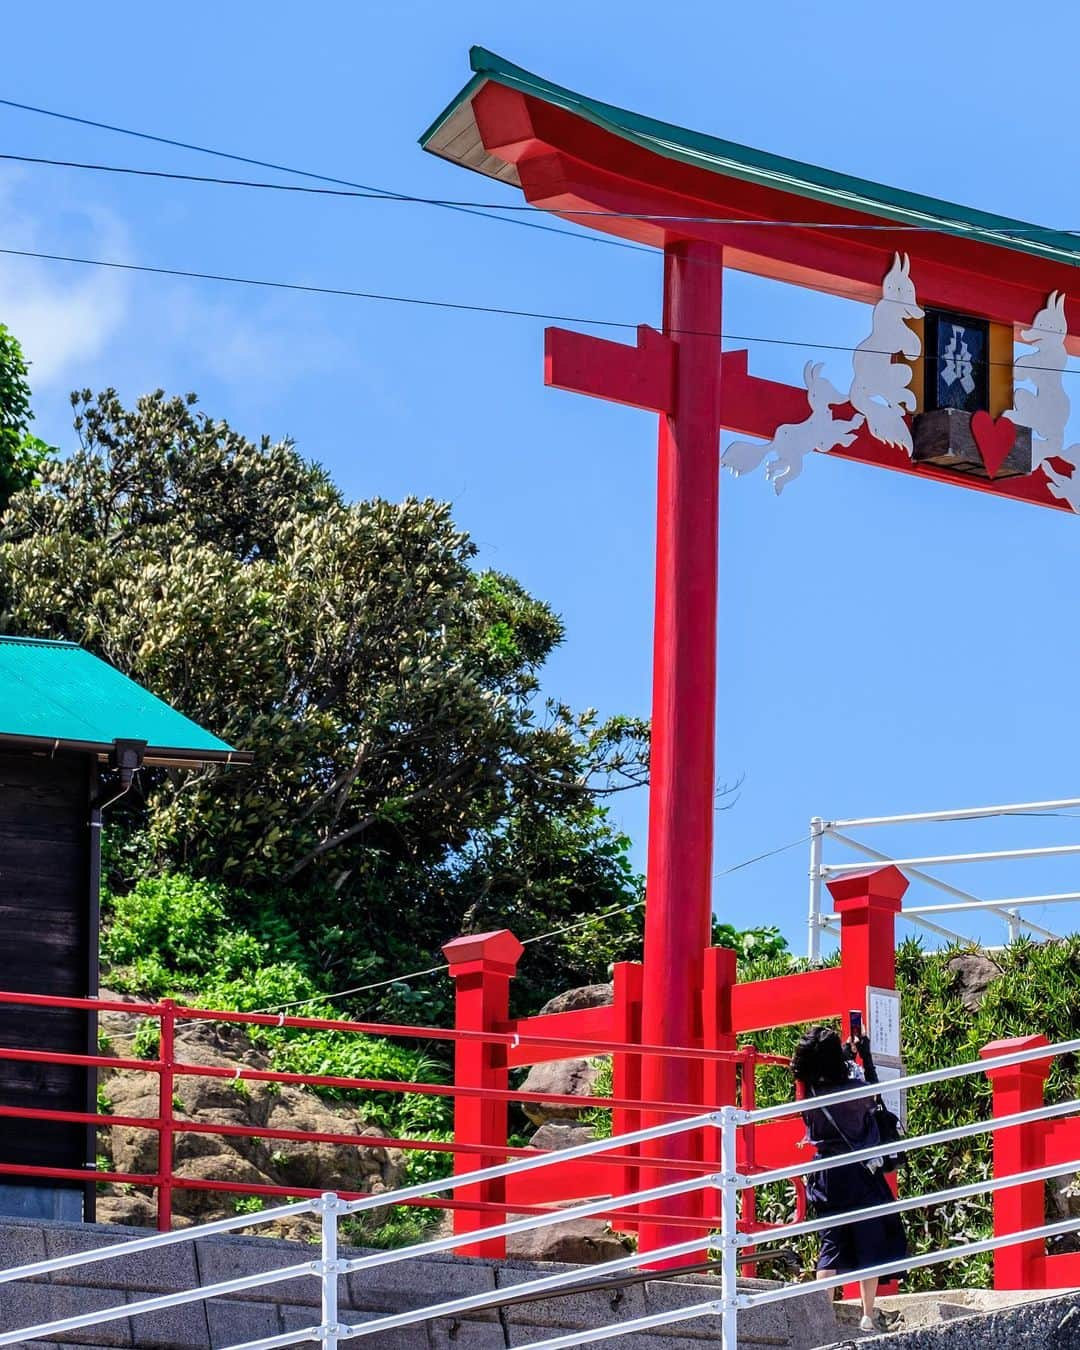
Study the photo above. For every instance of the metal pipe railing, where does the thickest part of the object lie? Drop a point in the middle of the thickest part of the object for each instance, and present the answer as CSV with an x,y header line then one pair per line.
x,y
975,901
966,813
941,859
1007,910
728,1182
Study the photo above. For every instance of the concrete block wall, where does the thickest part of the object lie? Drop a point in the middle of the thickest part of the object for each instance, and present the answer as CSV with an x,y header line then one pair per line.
x,y
294,1304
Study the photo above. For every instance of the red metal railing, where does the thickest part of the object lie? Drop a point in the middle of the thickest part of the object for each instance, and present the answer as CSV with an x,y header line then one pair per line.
x,y
169,1067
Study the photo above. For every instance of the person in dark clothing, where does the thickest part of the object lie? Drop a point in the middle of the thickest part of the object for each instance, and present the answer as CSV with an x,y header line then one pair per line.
x,y
822,1063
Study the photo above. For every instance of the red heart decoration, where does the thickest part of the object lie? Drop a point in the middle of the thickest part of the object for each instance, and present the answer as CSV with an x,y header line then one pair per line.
x,y
994,439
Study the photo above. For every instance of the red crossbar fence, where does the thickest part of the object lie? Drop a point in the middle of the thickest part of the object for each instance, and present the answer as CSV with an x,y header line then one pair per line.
x,y
168,1067
488,1044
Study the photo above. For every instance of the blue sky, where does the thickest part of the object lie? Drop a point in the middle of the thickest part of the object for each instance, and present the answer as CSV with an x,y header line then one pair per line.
x,y
885,644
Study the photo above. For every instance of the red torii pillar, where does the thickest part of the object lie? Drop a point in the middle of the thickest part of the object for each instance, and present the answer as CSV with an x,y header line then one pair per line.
x,y
676,374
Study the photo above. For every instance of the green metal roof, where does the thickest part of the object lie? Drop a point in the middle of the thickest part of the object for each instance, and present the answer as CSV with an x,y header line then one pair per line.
x,y
58,693
448,137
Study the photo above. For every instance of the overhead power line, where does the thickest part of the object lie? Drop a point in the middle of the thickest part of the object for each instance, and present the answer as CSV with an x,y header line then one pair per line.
x,y
540,937
461,306
480,207
388,193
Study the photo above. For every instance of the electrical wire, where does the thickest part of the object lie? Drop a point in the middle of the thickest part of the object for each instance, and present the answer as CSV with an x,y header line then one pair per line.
x,y
502,311
539,937
302,173
414,199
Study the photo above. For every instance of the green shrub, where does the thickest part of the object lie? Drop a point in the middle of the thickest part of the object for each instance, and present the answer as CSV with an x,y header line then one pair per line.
x,y
333,1054
173,918
147,1039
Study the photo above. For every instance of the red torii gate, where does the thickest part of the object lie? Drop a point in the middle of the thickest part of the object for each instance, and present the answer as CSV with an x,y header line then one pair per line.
x,y
710,204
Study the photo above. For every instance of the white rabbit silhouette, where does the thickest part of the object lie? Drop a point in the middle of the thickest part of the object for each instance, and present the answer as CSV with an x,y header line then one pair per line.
x,y
1046,409
793,441
881,388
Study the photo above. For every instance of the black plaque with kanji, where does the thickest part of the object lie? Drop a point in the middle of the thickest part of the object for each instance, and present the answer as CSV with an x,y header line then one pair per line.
x,y
957,362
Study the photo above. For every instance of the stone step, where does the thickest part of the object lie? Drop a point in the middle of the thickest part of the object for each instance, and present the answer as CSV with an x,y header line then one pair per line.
x,y
966,1319
798,1324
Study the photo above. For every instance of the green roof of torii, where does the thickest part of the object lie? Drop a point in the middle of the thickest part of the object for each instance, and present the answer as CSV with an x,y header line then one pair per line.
x,y
450,137
56,693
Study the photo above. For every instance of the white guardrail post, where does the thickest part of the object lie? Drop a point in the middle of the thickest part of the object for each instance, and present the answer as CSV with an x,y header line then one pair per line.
x,y
331,1271
813,917
729,1229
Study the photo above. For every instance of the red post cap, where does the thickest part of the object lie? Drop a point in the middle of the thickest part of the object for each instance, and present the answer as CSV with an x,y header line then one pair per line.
x,y
499,950
882,886
1036,1068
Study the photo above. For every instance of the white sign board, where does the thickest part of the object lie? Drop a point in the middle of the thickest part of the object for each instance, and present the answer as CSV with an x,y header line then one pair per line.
x,y
896,1100
883,1025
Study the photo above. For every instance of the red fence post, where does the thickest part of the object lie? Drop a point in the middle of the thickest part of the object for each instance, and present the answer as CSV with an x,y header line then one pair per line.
x,y
1019,1088
166,1056
481,967
868,903
627,978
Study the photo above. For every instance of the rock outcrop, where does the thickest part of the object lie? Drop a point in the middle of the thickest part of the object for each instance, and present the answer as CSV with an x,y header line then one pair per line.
x,y
973,973
220,1155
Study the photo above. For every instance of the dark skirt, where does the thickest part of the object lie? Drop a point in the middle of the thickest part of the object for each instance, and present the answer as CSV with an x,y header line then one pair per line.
x,y
854,1246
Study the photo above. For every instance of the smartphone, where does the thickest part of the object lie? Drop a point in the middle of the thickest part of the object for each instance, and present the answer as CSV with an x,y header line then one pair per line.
x,y
855,1017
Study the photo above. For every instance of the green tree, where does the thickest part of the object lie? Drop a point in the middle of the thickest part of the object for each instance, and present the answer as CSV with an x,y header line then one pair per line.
x,y
409,780
21,454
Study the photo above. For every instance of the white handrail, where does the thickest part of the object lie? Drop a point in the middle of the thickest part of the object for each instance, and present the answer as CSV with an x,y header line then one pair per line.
x,y
968,813
974,901
727,1183
817,922
1013,902
864,1090
940,859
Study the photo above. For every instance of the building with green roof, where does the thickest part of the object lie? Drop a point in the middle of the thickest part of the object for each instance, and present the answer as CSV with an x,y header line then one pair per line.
x,y
74,732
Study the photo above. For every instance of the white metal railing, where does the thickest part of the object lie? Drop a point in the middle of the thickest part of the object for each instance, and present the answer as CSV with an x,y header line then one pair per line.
x,y
328,1267
961,902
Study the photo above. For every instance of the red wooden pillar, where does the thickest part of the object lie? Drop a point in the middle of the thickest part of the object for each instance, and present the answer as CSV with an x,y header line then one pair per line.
x,y
868,903
682,786
481,967
626,1068
1019,1088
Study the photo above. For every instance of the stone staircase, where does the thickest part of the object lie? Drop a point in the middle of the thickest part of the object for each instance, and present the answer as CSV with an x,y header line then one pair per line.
x,y
954,1320
799,1325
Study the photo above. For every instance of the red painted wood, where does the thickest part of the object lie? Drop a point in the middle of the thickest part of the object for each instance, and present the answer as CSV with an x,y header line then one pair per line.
x,y
642,376
481,968
1019,1088
678,914
868,903
1061,1271
577,1179
813,996
778,1143
565,162
1061,1140
584,1024
628,980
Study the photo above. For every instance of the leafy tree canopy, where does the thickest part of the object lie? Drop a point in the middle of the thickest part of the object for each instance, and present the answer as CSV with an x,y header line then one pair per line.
x,y
21,454
409,781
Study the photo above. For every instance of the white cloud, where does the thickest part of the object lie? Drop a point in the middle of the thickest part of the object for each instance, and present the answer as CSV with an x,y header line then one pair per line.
x,y
62,314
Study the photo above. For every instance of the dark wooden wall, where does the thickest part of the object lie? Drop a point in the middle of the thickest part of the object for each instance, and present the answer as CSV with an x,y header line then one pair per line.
x,y
48,945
